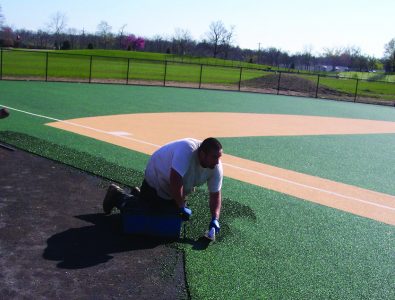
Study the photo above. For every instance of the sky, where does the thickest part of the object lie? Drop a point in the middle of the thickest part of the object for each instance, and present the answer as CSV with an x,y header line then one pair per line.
x,y
290,25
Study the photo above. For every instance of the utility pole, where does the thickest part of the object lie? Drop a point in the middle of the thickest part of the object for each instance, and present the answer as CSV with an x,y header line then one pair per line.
x,y
259,52
393,63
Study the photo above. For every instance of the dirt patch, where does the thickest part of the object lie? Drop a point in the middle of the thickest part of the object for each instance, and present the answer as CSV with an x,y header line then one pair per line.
x,y
56,244
292,85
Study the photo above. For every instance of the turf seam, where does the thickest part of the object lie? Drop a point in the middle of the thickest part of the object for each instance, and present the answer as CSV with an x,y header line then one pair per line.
x,y
187,289
60,161
92,173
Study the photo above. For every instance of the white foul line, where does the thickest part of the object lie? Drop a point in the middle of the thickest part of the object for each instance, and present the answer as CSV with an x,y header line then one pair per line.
x,y
309,187
82,126
226,164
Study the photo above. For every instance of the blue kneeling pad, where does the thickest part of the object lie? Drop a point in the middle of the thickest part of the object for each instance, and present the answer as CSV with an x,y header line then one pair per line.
x,y
141,220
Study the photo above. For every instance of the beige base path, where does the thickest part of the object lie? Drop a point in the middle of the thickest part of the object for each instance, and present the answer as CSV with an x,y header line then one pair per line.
x,y
147,132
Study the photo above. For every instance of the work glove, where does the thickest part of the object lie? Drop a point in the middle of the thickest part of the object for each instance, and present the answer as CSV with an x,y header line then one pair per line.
x,y
214,224
185,213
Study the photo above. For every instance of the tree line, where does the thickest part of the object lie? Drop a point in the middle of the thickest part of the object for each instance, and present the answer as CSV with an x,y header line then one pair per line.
x,y
218,42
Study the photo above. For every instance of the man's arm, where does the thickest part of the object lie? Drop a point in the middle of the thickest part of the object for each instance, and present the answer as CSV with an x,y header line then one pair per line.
x,y
177,188
215,204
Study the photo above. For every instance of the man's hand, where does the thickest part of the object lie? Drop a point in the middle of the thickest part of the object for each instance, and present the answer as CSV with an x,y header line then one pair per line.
x,y
214,224
185,213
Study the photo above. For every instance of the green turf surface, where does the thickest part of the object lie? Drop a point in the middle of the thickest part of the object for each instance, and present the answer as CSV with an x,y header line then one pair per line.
x,y
266,249
62,100
293,250
349,159
272,245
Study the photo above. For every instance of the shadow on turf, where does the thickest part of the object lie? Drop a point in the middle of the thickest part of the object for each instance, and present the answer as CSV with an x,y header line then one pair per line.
x,y
87,246
90,245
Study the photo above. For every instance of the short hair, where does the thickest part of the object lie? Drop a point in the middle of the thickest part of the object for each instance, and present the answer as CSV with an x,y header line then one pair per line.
x,y
210,144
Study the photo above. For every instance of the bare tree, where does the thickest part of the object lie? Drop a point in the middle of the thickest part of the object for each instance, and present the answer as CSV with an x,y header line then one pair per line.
x,y
158,43
42,39
182,41
72,35
227,40
1,18
121,34
272,55
307,56
332,56
104,30
216,36
57,25
390,55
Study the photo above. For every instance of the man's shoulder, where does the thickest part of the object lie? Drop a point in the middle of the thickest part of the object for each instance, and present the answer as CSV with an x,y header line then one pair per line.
x,y
186,143
190,141
219,169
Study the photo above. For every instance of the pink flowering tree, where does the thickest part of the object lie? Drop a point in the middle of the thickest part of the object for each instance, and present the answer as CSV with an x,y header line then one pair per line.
x,y
131,42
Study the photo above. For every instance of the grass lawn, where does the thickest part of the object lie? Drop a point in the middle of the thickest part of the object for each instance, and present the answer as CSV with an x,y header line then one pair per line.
x,y
80,65
384,90
379,76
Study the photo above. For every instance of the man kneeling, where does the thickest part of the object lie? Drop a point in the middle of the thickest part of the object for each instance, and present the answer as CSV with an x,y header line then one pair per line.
x,y
171,174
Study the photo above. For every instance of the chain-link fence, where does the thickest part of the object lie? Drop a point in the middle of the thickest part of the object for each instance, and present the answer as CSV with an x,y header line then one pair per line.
x,y
55,66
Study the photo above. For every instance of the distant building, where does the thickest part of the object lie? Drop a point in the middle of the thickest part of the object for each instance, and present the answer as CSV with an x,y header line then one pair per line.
x,y
326,68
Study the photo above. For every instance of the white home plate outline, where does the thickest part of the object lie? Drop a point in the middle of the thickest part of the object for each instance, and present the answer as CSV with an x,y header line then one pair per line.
x,y
120,133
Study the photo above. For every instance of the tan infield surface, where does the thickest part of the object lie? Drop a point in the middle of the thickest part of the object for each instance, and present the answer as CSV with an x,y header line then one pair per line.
x,y
147,132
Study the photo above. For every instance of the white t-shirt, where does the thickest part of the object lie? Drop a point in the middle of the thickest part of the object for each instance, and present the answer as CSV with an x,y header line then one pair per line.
x,y
182,156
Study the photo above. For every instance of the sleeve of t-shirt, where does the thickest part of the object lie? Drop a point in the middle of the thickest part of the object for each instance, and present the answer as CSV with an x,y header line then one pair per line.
x,y
181,159
214,182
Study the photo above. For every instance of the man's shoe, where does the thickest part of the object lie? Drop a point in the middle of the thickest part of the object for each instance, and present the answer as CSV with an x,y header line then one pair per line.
x,y
110,200
135,191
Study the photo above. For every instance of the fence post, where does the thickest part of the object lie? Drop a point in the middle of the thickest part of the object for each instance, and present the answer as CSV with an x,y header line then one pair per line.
x,y
278,83
46,66
1,65
356,91
90,69
318,84
241,71
127,72
200,77
164,77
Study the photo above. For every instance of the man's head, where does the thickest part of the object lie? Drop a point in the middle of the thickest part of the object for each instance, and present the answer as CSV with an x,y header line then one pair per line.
x,y
209,153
